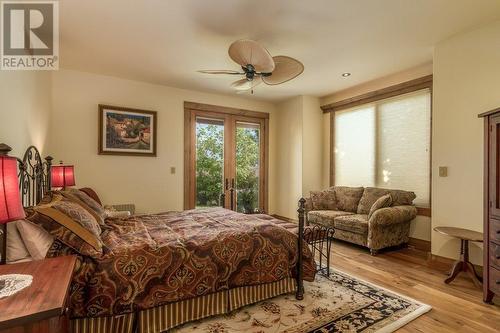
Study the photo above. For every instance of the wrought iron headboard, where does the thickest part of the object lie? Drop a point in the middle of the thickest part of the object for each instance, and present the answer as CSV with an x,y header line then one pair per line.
x,y
34,176
34,182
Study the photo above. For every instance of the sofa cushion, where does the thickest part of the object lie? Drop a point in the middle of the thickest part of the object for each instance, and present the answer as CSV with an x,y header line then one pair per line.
x,y
348,198
325,217
372,194
356,223
382,202
323,200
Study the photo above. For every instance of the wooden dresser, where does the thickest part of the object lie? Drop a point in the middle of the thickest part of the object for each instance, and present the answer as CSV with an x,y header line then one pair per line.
x,y
491,271
41,307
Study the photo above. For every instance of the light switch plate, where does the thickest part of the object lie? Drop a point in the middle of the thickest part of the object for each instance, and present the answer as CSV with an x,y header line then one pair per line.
x,y
443,171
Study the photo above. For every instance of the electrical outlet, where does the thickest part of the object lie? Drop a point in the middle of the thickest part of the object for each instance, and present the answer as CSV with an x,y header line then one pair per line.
x,y
443,171
172,170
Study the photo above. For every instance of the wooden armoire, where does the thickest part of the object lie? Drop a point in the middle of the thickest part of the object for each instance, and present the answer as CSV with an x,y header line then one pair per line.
x,y
491,268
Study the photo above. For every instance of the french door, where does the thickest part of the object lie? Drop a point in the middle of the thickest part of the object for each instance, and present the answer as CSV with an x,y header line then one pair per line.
x,y
226,158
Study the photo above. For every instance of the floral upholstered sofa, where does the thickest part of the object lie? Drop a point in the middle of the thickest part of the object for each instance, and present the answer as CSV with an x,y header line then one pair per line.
x,y
372,217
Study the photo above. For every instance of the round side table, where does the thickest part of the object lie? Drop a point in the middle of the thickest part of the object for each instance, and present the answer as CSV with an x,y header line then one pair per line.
x,y
463,264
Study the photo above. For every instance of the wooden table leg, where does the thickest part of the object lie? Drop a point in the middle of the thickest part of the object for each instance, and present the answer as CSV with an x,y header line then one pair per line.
x,y
457,268
464,265
469,267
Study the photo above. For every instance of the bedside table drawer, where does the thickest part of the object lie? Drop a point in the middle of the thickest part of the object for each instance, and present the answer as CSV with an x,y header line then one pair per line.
x,y
495,280
494,254
494,230
51,325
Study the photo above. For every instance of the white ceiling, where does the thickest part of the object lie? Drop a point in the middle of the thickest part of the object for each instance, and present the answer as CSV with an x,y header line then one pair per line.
x,y
165,42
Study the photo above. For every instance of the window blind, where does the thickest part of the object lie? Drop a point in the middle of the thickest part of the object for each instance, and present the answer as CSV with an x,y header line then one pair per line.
x,y
386,144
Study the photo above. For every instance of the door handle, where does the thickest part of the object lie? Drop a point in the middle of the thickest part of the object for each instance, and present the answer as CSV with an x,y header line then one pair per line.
x,y
232,194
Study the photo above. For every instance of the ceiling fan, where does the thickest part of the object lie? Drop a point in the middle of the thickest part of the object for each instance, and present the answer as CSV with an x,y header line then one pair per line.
x,y
258,66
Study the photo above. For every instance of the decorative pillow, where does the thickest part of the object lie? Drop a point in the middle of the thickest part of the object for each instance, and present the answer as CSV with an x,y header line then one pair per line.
x,y
94,205
323,200
16,249
372,194
382,202
117,213
72,196
37,240
401,198
70,223
348,198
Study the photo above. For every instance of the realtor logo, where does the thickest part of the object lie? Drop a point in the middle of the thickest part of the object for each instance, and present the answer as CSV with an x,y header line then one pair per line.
x,y
29,35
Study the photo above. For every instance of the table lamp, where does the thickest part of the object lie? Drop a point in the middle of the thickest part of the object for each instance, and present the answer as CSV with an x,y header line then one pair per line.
x,y
11,207
62,175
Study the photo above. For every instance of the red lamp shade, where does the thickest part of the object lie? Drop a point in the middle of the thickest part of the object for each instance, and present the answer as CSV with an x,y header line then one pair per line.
x,y
11,207
62,175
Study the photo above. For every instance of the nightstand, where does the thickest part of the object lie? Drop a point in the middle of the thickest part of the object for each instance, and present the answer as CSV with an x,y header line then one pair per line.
x,y
41,307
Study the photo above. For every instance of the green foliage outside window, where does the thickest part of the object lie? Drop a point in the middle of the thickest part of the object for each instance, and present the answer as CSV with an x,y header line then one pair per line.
x,y
210,162
247,169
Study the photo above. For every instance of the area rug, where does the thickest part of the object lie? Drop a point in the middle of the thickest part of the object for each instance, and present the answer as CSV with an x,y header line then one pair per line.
x,y
339,303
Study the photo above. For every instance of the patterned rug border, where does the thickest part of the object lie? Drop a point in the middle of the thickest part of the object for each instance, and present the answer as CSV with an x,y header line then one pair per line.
x,y
423,307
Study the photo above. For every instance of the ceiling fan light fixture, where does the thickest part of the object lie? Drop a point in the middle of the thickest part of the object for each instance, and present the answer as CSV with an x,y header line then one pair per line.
x,y
259,66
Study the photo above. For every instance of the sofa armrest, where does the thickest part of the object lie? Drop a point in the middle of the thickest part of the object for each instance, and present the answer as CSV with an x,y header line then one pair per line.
x,y
392,215
390,226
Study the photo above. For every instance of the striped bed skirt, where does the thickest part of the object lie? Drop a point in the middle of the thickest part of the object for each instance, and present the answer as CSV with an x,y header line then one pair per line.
x,y
167,316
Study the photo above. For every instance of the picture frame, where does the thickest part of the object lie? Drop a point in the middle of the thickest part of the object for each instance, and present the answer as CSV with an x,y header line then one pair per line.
x,y
126,131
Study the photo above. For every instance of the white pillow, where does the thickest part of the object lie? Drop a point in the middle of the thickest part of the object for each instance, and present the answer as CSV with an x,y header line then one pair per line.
x,y
37,240
16,250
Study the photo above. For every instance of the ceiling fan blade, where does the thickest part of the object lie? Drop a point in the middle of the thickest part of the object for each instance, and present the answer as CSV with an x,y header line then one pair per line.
x,y
223,71
248,52
287,68
244,84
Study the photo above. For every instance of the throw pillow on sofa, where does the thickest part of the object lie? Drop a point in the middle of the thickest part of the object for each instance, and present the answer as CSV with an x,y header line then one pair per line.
x,y
382,202
372,194
347,198
323,200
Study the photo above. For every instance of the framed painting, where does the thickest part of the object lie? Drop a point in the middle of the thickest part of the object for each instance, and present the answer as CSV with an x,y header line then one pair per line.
x,y
126,131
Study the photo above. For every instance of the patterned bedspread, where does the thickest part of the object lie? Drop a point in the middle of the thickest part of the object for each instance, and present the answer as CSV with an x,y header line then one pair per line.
x,y
155,259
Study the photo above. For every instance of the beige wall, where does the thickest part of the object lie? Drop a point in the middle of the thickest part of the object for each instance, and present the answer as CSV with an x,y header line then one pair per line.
x,y
288,179
300,153
383,82
145,181
312,145
25,103
466,83
421,226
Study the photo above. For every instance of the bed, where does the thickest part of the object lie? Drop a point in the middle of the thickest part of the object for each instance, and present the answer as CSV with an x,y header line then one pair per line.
x,y
149,273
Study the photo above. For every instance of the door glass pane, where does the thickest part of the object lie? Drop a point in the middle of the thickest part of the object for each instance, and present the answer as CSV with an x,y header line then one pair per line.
x,y
209,161
247,166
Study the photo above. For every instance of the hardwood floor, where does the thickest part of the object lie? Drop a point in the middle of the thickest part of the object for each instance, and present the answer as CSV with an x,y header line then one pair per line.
x,y
457,307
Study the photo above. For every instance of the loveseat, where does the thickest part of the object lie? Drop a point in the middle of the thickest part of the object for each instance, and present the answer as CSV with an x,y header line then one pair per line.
x,y
372,217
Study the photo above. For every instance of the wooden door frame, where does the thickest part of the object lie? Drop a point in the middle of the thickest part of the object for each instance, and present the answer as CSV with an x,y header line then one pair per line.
x,y
191,110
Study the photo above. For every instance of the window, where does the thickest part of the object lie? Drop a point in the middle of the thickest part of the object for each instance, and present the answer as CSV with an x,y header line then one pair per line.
x,y
386,144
